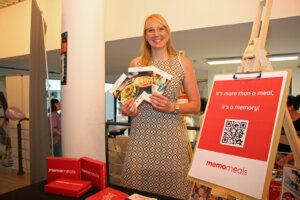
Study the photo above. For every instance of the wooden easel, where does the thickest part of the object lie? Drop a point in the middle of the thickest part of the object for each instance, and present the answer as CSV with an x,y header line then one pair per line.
x,y
255,59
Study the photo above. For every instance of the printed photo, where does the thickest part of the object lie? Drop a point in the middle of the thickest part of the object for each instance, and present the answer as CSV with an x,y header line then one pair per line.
x,y
290,183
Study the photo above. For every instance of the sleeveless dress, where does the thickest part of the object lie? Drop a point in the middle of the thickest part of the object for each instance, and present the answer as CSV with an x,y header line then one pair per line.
x,y
157,158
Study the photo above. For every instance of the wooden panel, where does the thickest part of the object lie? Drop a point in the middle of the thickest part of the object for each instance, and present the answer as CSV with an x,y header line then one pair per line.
x,y
116,155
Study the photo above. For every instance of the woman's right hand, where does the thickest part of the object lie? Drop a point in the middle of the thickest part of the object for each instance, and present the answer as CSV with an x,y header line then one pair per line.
x,y
129,108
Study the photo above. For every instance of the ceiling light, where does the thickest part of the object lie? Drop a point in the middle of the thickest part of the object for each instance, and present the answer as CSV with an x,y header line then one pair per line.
x,y
283,57
223,61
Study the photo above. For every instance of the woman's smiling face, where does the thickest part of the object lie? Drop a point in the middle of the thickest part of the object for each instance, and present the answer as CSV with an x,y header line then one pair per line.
x,y
156,34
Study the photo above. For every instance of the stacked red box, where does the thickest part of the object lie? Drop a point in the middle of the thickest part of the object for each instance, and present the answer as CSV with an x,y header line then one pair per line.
x,y
68,187
95,171
109,193
58,167
275,189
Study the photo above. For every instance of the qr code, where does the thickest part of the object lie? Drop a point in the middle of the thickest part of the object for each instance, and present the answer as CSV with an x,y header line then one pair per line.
x,y
234,132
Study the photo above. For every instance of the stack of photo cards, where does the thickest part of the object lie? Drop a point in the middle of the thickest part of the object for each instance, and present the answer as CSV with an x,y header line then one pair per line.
x,y
160,79
291,182
139,84
141,78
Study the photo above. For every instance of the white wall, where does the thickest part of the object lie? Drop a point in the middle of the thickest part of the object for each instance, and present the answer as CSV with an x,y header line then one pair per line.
x,y
123,19
15,20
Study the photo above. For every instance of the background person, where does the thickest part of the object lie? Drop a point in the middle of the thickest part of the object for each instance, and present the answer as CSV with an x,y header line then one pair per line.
x,y
157,158
56,128
293,104
5,140
202,110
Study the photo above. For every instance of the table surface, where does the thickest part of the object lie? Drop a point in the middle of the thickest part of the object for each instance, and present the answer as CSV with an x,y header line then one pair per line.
x,y
36,192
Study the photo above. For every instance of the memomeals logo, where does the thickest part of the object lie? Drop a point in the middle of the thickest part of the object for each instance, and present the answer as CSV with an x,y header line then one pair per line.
x,y
68,171
90,173
229,168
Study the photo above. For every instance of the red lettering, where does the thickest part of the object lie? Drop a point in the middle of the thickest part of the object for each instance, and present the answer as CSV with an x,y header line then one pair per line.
x,y
229,168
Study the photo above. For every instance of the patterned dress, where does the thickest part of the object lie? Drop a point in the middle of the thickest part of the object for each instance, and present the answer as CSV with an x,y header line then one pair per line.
x,y
157,157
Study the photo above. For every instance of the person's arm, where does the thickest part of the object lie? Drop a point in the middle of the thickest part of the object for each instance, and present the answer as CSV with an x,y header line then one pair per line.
x,y
129,108
163,104
134,62
190,88
58,133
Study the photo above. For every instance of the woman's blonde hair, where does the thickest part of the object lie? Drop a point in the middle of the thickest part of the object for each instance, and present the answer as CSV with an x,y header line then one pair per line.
x,y
146,53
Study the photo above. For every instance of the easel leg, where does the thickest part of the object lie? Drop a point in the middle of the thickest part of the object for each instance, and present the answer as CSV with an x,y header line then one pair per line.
x,y
292,137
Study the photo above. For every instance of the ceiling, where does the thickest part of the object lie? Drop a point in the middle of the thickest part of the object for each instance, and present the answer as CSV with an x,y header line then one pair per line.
x,y
199,45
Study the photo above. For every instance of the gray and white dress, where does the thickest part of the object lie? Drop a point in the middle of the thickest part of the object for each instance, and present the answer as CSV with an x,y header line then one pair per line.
x,y
157,159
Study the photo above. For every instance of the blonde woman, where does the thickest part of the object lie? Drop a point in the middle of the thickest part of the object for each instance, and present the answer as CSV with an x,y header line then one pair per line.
x,y
157,159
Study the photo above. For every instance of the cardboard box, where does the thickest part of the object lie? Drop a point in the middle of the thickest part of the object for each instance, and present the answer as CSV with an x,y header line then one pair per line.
x,y
68,187
116,155
58,167
108,194
95,171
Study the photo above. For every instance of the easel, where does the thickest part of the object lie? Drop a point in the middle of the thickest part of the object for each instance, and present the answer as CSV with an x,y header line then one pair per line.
x,y
254,62
254,59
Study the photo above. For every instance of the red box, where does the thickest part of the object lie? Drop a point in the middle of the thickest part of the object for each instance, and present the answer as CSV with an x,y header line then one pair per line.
x,y
275,189
95,171
68,187
58,167
109,193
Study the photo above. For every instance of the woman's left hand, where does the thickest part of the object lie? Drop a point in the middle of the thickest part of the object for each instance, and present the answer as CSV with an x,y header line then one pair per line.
x,y
161,103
